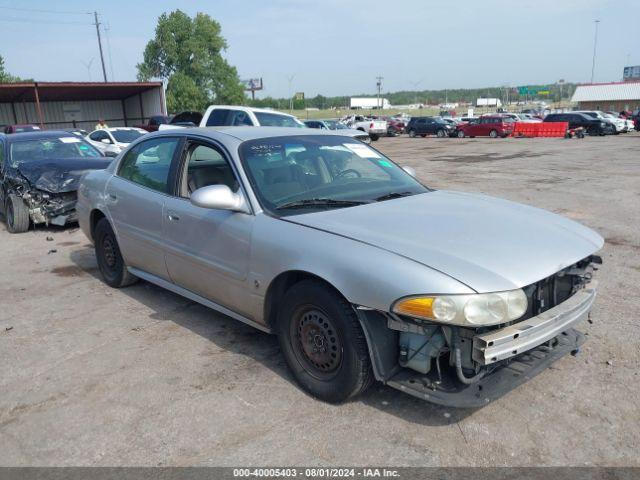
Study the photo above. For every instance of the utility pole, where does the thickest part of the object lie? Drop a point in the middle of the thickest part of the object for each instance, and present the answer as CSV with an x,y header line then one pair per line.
x,y
97,24
415,90
290,79
379,85
595,44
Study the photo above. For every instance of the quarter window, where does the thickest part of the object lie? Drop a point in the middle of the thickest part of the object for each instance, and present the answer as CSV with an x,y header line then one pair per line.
x,y
149,162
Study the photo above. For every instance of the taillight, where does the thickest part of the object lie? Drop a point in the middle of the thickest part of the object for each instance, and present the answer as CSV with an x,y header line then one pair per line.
x,y
371,126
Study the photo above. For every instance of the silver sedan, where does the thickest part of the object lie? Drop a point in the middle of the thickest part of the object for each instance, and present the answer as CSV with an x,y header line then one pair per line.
x,y
363,272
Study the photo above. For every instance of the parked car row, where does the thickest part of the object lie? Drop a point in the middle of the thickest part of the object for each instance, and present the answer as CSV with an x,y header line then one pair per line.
x,y
502,124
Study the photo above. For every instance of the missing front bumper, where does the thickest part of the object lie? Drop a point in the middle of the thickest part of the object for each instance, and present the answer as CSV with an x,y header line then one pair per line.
x,y
501,381
510,341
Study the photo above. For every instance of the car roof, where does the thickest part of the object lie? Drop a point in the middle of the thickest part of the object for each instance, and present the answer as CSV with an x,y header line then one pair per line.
x,y
243,133
251,109
38,135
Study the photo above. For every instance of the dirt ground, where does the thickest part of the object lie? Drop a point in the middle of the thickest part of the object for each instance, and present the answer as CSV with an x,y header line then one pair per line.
x,y
140,376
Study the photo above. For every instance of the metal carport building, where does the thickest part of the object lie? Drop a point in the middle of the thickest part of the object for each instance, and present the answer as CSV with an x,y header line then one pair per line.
x,y
80,104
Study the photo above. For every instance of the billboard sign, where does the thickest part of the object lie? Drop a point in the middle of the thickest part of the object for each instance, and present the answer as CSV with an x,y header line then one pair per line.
x,y
631,73
252,84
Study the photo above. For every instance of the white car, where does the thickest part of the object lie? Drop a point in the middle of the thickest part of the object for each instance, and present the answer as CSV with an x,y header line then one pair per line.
x,y
111,141
375,128
239,116
618,123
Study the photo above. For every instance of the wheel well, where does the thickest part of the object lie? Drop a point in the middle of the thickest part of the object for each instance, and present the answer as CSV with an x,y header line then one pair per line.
x,y
96,216
278,288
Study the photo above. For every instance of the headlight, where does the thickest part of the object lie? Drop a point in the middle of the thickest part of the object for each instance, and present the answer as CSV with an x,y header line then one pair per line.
x,y
472,310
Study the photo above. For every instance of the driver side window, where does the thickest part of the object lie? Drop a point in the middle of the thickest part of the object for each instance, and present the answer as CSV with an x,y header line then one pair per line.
x,y
205,166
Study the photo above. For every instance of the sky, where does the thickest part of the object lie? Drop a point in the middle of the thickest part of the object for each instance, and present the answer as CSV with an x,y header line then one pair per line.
x,y
338,47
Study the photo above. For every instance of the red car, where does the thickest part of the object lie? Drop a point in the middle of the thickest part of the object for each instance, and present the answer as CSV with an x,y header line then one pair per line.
x,y
21,128
493,126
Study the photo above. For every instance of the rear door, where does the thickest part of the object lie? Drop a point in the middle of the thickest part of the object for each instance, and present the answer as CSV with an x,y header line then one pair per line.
x,y
136,197
421,126
207,250
430,126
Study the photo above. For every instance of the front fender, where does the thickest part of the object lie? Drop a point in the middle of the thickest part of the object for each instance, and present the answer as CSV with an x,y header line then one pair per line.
x,y
365,275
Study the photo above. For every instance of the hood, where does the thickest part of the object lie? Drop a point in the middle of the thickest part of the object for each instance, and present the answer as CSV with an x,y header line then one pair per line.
x,y
61,175
486,243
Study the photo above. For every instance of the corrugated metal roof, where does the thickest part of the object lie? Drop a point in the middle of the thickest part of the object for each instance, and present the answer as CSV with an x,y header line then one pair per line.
x,y
607,91
64,91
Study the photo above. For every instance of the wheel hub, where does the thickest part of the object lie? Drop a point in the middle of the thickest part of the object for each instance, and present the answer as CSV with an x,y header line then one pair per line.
x,y
318,341
109,252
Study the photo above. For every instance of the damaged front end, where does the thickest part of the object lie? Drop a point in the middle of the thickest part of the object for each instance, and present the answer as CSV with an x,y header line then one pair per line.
x,y
467,366
50,200
55,209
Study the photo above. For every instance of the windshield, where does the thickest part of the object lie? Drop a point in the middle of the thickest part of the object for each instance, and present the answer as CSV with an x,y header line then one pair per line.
x,y
126,136
331,124
315,169
50,148
277,120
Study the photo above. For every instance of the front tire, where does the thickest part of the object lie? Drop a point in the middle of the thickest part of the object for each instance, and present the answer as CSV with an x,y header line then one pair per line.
x,y
110,261
323,343
460,134
412,133
16,214
441,133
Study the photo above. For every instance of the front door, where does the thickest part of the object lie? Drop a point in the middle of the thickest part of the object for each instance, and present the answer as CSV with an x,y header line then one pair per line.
x,y
207,251
135,198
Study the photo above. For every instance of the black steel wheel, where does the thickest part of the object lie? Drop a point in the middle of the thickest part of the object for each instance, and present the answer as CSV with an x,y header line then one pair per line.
x,y
323,343
316,342
110,261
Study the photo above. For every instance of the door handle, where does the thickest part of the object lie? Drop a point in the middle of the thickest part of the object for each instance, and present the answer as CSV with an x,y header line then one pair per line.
x,y
173,217
112,197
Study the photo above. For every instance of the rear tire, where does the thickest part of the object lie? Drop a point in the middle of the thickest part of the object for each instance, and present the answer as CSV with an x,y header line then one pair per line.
x,y
493,134
16,214
323,343
374,137
110,261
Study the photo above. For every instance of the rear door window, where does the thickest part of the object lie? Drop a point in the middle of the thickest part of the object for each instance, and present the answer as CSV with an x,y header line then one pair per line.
x,y
218,117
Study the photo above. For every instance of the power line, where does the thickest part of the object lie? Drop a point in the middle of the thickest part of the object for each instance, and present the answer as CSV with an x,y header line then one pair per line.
x,y
35,10
107,28
33,20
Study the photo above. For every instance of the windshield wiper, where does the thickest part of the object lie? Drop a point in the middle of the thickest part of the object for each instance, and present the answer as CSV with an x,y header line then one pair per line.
x,y
320,202
392,195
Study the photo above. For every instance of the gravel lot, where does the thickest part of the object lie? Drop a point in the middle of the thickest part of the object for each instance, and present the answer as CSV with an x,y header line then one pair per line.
x,y
139,376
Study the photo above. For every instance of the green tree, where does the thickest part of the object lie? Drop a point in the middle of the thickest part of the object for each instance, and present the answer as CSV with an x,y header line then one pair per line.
x,y
183,94
6,77
191,48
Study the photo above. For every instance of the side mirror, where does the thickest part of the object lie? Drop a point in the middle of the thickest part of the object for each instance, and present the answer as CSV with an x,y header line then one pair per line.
x,y
218,197
410,170
110,153
106,141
